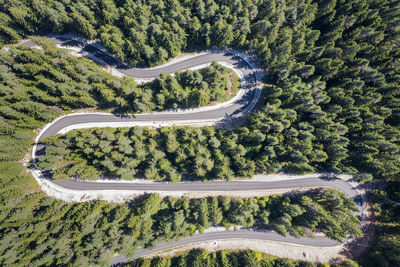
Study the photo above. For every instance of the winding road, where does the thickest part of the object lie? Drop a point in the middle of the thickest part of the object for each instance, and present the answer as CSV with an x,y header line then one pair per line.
x,y
252,86
243,64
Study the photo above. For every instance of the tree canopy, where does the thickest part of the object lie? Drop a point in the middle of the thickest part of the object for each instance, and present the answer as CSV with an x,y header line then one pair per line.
x,y
331,104
239,258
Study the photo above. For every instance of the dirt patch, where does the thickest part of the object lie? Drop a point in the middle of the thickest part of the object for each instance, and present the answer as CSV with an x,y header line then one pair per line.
x,y
356,248
246,194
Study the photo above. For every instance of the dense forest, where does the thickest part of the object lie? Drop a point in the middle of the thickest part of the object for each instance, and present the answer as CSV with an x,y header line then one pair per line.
x,y
37,85
70,83
243,258
42,231
385,250
334,101
331,104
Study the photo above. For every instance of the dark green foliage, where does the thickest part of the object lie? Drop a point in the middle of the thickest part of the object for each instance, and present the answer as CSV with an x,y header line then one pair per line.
x,y
334,103
55,233
385,250
393,191
36,85
203,153
225,258
333,106
53,77
241,258
139,32
187,89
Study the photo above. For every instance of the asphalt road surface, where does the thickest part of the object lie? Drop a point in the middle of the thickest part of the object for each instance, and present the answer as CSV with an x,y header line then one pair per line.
x,y
318,241
250,78
213,186
248,75
242,233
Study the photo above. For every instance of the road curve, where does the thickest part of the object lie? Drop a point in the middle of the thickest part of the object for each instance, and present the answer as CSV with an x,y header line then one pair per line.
x,y
220,186
320,241
243,64
244,104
